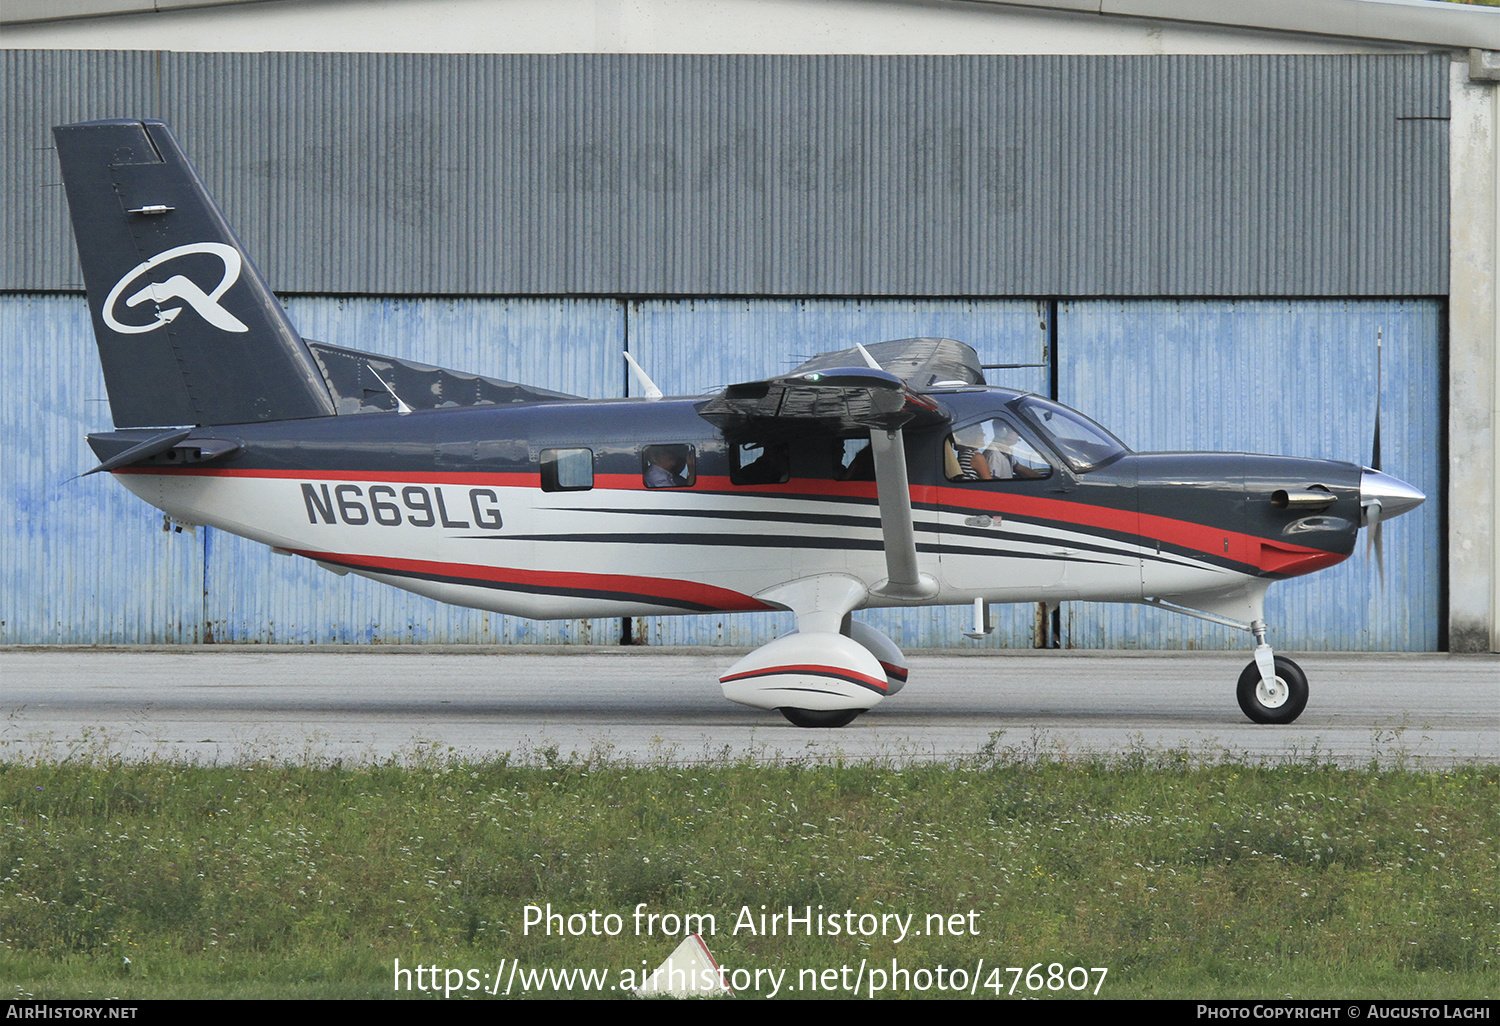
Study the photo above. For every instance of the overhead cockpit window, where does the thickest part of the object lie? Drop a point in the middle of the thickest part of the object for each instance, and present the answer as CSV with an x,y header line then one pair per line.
x,y
992,450
1084,444
669,466
752,463
567,470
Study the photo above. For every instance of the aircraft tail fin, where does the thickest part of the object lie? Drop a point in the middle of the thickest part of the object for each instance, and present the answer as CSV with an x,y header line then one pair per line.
x,y
188,330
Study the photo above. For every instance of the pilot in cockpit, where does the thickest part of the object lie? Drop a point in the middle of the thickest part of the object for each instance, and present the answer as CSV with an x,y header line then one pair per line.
x,y
987,452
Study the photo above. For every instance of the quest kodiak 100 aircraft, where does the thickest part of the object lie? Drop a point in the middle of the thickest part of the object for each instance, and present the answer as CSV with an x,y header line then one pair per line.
x,y
886,475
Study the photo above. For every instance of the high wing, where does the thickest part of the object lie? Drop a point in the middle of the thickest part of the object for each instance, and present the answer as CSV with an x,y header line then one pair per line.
x,y
840,392
879,389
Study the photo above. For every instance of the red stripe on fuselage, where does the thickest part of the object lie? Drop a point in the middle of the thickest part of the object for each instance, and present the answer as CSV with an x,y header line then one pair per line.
x,y
705,484
1270,557
645,588
456,478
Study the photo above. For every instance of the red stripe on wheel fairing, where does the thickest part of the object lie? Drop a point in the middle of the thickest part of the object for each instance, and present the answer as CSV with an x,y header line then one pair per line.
x,y
836,672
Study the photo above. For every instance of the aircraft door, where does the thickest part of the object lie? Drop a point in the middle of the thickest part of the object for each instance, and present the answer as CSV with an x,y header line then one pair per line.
x,y
994,538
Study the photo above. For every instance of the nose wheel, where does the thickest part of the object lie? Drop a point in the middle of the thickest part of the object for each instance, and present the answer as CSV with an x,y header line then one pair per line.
x,y
1279,700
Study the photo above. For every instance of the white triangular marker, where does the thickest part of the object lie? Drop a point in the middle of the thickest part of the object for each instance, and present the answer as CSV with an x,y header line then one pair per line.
x,y
689,971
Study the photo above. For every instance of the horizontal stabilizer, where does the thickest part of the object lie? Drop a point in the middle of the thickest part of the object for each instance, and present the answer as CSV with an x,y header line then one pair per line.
x,y
179,447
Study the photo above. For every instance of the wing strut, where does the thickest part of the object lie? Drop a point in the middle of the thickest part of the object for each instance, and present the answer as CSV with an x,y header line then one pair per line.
x,y
903,579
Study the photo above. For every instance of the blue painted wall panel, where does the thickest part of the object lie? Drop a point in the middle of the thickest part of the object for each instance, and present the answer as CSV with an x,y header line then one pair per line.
x,y
84,561
1293,378
81,559
570,345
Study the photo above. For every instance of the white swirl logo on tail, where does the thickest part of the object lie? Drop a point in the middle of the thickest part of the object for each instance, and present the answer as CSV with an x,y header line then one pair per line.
x,y
205,304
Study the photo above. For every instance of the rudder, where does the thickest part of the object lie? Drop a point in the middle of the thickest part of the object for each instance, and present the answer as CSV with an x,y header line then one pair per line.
x,y
188,330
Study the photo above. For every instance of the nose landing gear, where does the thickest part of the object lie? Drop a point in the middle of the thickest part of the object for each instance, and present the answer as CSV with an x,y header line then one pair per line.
x,y
1272,689
1279,699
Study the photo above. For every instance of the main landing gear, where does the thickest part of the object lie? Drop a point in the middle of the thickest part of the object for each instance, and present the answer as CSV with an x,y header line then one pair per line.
x,y
827,671
819,717
832,677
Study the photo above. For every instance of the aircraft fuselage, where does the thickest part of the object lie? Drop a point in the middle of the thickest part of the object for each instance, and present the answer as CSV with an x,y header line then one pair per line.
x,y
453,504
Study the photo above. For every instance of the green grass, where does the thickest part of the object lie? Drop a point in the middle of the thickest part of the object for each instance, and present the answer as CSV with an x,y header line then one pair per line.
x,y
1184,879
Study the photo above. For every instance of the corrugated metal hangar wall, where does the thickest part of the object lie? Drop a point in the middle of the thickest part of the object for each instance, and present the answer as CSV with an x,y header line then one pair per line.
x,y
1197,251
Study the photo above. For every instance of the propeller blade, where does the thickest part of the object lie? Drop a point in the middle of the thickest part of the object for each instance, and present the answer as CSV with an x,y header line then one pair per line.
x,y
1374,538
1375,448
1377,535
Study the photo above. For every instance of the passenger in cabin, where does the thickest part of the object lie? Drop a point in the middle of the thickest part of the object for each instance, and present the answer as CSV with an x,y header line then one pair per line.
x,y
860,466
968,447
665,465
772,467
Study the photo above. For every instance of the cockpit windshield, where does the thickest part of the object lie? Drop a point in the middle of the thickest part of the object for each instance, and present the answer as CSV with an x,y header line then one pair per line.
x,y
1084,444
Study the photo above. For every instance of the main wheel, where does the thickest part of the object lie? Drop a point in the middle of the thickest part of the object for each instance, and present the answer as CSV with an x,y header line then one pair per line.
x,y
819,717
1280,704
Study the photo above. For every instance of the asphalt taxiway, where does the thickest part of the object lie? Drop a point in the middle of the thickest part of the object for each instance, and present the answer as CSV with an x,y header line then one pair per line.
x,y
223,704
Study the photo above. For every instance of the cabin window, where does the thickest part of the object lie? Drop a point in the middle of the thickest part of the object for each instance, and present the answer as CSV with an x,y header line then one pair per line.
x,y
751,463
854,460
567,470
669,466
992,450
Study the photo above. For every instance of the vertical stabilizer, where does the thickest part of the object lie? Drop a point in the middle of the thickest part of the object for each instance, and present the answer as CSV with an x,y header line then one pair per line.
x,y
188,331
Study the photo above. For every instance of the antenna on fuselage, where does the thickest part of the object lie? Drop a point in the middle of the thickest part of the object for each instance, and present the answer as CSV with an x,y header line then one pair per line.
x,y
643,379
401,407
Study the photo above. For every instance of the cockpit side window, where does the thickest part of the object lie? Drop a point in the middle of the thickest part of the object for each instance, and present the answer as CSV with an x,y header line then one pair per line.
x,y
1084,444
992,450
